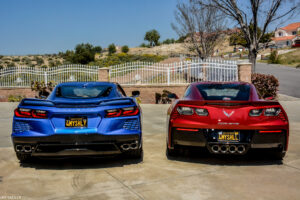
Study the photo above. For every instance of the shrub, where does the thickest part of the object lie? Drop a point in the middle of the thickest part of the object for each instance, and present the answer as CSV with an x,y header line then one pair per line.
x,y
125,49
16,59
15,98
39,61
1,56
12,64
112,49
42,90
266,85
274,58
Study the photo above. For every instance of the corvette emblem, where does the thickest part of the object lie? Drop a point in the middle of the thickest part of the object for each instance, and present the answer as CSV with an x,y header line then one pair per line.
x,y
228,114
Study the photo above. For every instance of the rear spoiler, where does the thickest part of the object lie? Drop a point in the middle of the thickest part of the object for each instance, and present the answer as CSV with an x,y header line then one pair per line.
x,y
228,103
48,103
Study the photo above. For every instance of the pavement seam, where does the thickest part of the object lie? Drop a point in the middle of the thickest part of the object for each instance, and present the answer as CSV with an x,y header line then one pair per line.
x,y
291,166
126,186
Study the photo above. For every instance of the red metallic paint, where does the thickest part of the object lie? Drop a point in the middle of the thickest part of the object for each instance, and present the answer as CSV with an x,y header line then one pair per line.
x,y
216,119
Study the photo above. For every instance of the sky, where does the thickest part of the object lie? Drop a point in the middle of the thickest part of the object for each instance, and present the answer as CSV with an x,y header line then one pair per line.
x,y
51,26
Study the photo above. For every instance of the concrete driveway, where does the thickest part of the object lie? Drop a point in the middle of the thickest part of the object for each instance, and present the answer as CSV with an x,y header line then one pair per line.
x,y
191,176
289,77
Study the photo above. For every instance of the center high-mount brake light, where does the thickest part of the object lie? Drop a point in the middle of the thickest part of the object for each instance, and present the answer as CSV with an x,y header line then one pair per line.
x,y
129,111
30,113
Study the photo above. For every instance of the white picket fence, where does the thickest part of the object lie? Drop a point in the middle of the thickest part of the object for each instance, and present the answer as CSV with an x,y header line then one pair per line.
x,y
22,76
136,73
145,73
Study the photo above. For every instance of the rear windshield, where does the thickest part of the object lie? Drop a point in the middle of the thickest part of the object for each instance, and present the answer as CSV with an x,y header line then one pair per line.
x,y
79,92
229,92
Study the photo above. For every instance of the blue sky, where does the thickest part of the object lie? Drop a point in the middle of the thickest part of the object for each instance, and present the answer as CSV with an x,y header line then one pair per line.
x,y
50,26
44,26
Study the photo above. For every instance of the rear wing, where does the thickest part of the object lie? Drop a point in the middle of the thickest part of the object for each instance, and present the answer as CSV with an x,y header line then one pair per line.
x,y
49,103
227,103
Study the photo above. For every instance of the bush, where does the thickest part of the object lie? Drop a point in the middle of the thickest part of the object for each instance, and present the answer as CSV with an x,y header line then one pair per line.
x,y
112,49
120,58
125,49
274,58
16,59
15,98
266,85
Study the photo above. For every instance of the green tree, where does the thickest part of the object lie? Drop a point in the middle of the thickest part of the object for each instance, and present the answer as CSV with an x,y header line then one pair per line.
x,y
112,49
125,49
153,37
238,38
169,41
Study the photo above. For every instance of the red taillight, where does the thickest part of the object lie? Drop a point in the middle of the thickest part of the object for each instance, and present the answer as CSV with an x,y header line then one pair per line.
x,y
30,113
129,111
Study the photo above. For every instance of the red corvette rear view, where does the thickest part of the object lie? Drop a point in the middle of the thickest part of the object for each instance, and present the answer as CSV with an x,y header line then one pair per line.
x,y
226,118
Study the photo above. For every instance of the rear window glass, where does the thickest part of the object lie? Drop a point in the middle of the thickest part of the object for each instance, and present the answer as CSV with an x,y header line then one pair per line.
x,y
229,92
79,92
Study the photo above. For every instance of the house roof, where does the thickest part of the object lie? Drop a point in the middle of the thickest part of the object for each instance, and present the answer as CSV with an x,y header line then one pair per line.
x,y
291,27
283,38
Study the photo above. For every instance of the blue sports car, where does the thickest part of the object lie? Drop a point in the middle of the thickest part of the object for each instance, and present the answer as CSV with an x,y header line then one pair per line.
x,y
78,119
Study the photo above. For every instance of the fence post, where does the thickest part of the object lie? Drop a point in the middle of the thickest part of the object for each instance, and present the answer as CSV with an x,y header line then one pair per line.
x,y
168,75
45,75
244,71
103,74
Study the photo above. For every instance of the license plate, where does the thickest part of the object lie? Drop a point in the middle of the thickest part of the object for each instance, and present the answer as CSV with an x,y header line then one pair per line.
x,y
233,136
76,122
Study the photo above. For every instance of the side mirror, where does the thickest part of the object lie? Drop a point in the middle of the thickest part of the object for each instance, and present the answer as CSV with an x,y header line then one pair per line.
x,y
135,93
172,96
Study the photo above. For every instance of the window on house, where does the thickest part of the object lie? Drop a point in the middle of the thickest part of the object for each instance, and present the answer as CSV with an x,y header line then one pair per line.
x,y
294,32
280,34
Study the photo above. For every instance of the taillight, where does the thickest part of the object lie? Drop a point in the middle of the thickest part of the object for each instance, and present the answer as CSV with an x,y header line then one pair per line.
x,y
30,113
201,111
183,110
272,111
255,112
129,111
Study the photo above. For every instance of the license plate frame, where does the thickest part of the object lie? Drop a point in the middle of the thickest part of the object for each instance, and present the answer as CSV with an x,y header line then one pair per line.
x,y
76,122
228,136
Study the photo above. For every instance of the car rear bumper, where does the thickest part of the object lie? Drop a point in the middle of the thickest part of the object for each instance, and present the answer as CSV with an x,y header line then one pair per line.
x,y
248,138
76,144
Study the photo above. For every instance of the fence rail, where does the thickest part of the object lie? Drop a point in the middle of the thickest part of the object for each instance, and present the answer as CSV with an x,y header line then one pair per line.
x,y
22,76
145,73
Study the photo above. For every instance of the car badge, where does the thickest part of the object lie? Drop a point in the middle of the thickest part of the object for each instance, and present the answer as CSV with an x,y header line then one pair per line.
x,y
228,114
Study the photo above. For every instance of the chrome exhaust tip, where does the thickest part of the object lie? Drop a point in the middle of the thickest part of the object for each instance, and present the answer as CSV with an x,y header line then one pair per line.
x,y
232,149
27,148
241,149
133,145
215,148
224,149
19,148
125,147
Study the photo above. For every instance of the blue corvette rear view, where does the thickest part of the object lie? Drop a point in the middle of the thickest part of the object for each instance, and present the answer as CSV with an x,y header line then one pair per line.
x,y
78,119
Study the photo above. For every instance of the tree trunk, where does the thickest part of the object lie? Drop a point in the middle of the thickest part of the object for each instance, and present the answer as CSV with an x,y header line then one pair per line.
x,y
252,58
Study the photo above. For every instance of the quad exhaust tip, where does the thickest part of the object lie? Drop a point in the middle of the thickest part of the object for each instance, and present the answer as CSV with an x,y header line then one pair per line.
x,y
23,148
128,146
232,149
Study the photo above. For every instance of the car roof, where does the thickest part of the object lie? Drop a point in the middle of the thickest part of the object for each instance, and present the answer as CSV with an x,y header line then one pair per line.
x,y
86,84
220,83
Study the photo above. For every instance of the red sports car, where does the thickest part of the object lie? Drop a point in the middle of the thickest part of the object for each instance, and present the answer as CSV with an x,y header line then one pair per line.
x,y
226,118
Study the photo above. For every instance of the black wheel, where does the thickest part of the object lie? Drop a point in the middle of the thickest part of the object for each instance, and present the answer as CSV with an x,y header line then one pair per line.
x,y
23,158
171,152
278,155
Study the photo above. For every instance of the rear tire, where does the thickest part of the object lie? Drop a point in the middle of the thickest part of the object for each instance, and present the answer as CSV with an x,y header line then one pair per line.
x,y
171,152
136,154
23,158
278,155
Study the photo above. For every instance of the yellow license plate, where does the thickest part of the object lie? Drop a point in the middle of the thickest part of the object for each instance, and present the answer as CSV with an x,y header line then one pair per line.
x,y
76,122
229,136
